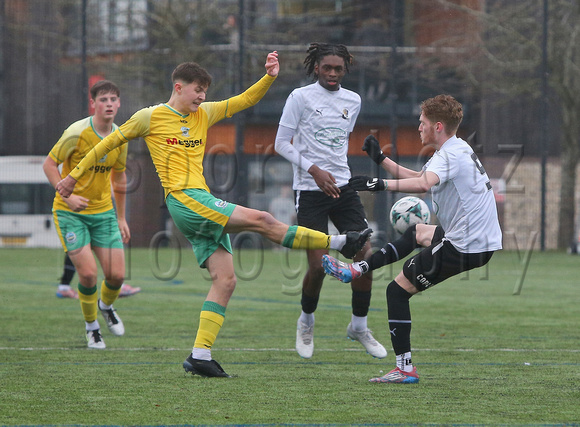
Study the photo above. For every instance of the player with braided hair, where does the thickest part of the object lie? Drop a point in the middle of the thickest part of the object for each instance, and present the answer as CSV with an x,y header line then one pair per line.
x,y
317,51
313,135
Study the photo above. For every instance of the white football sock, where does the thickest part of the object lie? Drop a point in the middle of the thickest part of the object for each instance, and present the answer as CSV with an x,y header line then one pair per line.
x,y
92,326
404,362
359,324
337,241
307,318
104,306
201,353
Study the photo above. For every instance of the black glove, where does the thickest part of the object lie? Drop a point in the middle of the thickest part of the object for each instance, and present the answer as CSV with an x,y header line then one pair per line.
x,y
373,149
366,183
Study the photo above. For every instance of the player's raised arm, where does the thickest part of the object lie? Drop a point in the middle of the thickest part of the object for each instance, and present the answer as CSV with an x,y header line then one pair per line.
x,y
272,65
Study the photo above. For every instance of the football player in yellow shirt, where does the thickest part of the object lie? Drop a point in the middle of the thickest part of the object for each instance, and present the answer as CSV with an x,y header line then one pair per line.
x,y
86,220
176,135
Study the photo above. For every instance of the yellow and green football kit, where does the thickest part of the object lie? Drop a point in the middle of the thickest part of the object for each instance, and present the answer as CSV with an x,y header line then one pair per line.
x,y
97,223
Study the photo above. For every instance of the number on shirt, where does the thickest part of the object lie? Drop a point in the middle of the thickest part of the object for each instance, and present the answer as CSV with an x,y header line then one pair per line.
x,y
480,168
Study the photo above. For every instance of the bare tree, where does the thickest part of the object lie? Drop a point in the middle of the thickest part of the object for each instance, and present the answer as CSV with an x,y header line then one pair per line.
x,y
507,60
519,48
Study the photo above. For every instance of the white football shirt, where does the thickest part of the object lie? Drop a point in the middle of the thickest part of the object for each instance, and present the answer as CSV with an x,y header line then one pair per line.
x,y
463,200
322,120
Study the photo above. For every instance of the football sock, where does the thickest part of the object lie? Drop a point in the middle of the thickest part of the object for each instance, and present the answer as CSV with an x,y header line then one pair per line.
x,y
307,318
404,362
358,323
309,304
88,298
68,272
211,320
304,238
393,251
360,303
103,306
337,242
109,294
92,326
399,318
201,354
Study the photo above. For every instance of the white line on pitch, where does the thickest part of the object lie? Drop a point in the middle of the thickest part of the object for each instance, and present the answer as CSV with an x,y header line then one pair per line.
x,y
515,350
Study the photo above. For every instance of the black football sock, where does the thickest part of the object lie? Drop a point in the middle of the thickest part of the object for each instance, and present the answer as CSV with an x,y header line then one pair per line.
x,y
309,304
360,303
68,272
399,318
393,251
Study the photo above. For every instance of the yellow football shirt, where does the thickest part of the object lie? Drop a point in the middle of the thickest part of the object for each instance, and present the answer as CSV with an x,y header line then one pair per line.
x,y
74,144
176,142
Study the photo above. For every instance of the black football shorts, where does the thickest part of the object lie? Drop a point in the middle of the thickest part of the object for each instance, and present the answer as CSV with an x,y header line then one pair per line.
x,y
440,261
314,209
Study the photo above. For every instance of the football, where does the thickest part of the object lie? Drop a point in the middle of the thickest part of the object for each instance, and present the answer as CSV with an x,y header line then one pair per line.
x,y
408,211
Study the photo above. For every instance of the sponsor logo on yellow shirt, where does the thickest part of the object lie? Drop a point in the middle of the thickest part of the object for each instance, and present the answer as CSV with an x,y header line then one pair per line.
x,y
187,143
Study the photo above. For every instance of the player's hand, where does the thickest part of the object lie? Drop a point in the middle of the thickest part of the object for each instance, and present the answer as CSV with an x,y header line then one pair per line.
x,y
76,203
325,181
66,186
366,183
124,229
373,149
272,64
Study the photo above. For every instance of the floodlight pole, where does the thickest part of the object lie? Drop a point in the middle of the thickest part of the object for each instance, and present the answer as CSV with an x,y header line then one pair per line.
x,y
2,85
84,77
393,71
241,183
390,197
544,70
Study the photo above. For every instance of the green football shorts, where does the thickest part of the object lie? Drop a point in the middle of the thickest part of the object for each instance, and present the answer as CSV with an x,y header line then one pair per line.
x,y
201,217
76,230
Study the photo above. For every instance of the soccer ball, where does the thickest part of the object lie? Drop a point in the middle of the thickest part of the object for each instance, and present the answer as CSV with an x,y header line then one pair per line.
x,y
408,211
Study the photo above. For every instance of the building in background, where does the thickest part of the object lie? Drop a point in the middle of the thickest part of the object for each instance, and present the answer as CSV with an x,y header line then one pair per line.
x,y
402,55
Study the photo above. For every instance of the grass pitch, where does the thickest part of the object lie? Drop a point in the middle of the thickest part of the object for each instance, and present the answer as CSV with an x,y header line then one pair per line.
x,y
484,355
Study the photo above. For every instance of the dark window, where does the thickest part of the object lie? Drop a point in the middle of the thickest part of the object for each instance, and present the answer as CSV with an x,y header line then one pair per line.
x,y
26,199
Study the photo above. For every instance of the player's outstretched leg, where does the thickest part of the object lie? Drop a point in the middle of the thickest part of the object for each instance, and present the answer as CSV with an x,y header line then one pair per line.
x,y
341,270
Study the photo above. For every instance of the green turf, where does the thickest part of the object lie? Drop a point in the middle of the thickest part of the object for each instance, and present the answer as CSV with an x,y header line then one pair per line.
x,y
485,356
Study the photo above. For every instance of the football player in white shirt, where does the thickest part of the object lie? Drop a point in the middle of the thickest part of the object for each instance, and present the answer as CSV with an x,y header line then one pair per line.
x,y
465,206
313,135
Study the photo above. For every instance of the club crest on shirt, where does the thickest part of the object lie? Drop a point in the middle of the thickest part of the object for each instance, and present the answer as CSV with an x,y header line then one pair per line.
x,y
185,131
221,203
345,113
103,159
